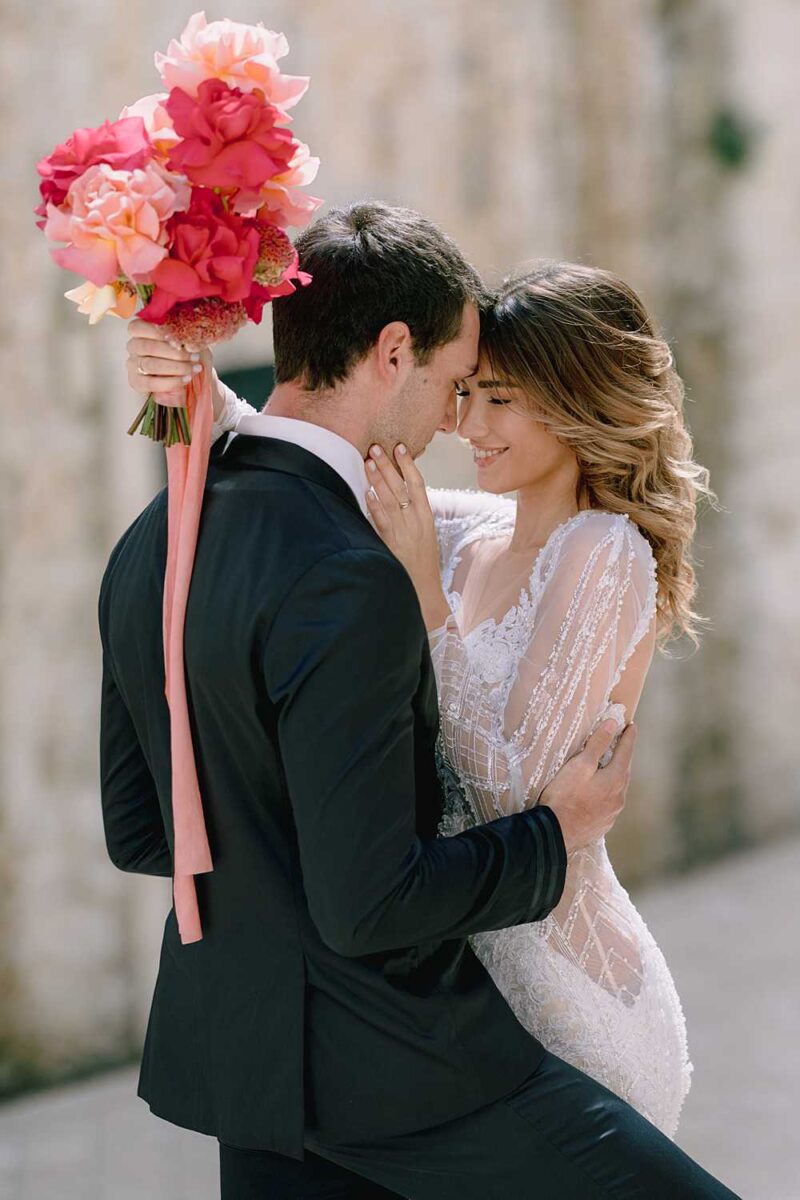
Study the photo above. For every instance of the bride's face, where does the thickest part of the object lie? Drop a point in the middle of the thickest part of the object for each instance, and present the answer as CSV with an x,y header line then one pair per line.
x,y
511,449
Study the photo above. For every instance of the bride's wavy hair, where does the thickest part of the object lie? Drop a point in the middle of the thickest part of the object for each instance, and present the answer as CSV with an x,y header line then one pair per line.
x,y
598,373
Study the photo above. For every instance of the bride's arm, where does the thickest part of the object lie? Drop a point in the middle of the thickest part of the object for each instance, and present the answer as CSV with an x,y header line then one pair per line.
x,y
228,408
594,602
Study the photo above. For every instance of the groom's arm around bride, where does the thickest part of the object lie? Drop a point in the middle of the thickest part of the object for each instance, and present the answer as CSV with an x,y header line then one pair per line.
x,y
346,731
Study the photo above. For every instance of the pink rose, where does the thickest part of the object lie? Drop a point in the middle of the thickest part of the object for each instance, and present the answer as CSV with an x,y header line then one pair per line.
x,y
212,253
115,221
230,139
243,56
280,200
123,144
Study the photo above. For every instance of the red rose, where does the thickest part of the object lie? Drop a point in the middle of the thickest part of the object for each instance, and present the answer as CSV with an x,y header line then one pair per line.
x,y
123,144
231,139
211,253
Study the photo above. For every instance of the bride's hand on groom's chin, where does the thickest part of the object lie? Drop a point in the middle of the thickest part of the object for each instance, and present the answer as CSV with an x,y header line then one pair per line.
x,y
399,506
588,798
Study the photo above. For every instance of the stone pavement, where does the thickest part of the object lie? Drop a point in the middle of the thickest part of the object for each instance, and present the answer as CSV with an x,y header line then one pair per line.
x,y
730,936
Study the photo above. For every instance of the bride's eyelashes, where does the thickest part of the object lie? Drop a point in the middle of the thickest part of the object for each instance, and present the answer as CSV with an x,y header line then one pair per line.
x,y
496,400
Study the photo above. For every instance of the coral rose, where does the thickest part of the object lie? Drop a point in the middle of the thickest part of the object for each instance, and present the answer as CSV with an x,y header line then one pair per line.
x,y
115,221
230,138
280,200
122,144
212,253
244,56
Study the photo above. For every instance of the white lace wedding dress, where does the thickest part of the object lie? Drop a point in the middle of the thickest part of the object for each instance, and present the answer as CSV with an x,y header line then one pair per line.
x,y
527,665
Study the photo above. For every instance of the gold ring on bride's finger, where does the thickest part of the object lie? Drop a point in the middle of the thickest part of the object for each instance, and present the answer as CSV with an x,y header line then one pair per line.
x,y
140,369
405,503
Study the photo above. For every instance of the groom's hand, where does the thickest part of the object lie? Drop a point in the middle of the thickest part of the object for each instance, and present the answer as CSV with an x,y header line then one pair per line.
x,y
588,798
161,366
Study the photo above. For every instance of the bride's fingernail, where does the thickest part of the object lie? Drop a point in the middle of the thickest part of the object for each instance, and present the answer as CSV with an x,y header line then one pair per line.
x,y
371,466
376,451
401,449
194,356
186,379
196,368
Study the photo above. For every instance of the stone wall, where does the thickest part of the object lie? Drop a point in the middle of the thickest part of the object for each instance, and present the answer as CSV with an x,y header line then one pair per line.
x,y
658,138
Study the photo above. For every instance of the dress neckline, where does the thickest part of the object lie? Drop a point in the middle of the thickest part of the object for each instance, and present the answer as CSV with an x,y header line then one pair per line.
x,y
562,527
527,591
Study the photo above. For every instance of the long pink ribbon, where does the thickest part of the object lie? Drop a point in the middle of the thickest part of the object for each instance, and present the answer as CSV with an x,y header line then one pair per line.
x,y
187,467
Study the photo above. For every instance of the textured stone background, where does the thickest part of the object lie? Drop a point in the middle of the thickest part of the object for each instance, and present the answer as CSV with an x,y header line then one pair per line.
x,y
659,139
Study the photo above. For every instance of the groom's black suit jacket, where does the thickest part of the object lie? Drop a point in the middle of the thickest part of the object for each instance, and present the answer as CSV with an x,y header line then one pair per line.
x,y
333,987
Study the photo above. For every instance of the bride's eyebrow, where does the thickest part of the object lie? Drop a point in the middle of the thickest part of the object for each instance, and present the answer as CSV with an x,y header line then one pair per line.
x,y
494,383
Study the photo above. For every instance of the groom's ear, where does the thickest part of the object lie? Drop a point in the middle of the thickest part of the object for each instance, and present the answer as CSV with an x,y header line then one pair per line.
x,y
394,351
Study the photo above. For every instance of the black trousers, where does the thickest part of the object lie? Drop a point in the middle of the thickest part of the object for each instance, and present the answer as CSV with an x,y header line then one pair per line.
x,y
559,1136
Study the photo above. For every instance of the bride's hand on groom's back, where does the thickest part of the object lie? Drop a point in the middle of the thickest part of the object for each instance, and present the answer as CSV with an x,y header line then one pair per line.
x,y
588,798
160,366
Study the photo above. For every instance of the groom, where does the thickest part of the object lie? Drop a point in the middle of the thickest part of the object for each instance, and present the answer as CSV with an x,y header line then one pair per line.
x,y
332,1028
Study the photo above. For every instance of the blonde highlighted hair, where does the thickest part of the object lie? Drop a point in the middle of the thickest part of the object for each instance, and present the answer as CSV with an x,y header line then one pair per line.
x,y
582,346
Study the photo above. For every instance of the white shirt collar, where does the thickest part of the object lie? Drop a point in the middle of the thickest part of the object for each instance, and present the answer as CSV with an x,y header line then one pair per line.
x,y
341,455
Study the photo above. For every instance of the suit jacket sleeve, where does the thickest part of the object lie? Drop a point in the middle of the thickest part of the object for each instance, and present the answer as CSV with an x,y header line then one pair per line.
x,y
132,821
342,662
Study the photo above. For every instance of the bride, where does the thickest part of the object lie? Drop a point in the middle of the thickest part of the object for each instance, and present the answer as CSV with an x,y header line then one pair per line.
x,y
544,613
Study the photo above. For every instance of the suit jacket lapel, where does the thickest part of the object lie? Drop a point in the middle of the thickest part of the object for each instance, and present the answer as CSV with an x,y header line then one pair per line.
x,y
249,452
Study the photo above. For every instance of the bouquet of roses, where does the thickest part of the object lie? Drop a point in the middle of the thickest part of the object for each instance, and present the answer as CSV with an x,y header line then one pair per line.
x,y
182,205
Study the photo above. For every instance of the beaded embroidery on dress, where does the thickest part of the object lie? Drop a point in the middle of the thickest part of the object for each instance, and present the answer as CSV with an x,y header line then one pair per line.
x,y
519,694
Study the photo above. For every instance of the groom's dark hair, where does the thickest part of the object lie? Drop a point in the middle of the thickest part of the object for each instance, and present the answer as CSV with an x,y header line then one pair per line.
x,y
371,264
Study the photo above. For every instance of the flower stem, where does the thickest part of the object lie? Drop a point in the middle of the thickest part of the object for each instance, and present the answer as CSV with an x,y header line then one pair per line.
x,y
162,423
141,415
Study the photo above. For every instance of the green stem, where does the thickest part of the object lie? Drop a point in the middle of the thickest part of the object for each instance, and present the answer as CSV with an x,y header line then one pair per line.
x,y
162,423
141,416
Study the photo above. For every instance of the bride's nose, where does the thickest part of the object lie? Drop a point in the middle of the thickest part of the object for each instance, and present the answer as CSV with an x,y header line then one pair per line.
x,y
470,422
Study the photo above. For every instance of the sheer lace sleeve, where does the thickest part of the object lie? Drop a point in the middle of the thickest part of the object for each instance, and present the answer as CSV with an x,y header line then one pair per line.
x,y
516,706
234,408
464,516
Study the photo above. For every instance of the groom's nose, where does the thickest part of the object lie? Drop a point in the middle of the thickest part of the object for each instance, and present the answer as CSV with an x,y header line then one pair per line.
x,y
450,418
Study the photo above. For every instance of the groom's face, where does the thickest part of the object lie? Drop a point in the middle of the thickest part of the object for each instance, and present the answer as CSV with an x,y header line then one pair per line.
x,y
426,404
